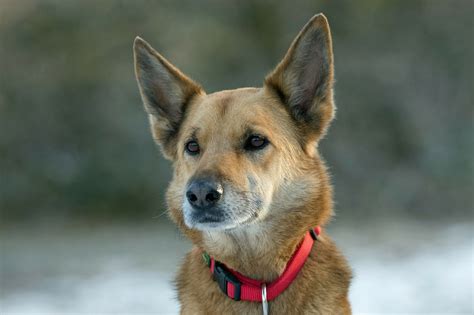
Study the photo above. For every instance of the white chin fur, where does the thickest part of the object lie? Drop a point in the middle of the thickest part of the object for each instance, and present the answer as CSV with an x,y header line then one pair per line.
x,y
221,226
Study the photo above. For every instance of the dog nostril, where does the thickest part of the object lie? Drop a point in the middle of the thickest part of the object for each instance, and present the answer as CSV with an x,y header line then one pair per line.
x,y
192,197
213,196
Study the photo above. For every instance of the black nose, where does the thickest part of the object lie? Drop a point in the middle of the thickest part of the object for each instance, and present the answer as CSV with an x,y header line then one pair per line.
x,y
204,193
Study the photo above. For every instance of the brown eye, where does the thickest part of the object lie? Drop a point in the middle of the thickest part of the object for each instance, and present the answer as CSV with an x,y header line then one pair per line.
x,y
255,142
192,147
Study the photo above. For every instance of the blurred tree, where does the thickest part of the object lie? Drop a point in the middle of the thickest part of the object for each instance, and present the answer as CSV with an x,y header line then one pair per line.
x,y
75,142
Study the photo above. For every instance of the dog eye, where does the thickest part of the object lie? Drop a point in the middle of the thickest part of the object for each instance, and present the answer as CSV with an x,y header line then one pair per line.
x,y
255,142
192,147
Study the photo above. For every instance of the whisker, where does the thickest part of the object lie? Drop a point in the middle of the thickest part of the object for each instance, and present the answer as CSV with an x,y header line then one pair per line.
x,y
160,215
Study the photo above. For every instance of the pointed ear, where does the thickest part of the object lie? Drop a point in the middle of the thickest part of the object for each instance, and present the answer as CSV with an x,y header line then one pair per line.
x,y
303,80
165,92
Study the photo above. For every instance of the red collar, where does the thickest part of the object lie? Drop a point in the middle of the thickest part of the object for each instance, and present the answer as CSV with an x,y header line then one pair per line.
x,y
239,287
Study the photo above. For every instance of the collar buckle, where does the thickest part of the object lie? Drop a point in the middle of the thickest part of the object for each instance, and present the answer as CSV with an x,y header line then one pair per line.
x,y
223,276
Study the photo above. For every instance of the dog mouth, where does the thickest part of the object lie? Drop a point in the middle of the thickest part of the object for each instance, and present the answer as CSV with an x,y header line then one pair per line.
x,y
210,218
217,219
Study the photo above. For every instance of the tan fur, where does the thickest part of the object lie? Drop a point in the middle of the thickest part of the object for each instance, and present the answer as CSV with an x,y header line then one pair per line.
x,y
293,110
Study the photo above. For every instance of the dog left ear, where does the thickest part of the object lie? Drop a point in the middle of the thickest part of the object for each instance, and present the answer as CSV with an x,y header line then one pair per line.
x,y
303,80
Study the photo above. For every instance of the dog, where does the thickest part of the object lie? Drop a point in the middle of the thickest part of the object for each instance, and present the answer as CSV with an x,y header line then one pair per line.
x,y
250,189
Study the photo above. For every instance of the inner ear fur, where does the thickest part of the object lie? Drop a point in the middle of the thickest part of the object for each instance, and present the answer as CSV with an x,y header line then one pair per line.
x,y
303,80
165,93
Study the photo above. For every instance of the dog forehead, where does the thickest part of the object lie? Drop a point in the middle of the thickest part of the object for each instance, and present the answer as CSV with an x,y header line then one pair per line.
x,y
220,103
233,110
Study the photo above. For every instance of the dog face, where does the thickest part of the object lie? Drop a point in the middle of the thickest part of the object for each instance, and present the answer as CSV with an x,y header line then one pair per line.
x,y
246,156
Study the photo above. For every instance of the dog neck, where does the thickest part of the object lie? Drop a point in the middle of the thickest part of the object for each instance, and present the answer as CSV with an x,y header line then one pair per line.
x,y
259,251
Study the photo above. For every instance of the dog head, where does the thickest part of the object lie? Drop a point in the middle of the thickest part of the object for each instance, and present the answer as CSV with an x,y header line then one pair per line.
x,y
247,156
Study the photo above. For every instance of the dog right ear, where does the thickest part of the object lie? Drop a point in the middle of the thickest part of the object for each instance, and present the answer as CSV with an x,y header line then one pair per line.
x,y
165,92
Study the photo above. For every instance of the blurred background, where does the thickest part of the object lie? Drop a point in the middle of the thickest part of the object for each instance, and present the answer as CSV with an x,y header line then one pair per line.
x,y
83,227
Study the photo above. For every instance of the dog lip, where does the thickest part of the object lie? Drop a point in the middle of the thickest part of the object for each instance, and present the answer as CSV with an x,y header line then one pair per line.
x,y
206,217
209,221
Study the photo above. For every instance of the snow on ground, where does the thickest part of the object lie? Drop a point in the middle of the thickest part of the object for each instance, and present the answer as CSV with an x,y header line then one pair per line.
x,y
401,268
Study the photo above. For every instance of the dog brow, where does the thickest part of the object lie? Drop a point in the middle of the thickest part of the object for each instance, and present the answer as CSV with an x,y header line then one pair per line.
x,y
194,132
253,129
